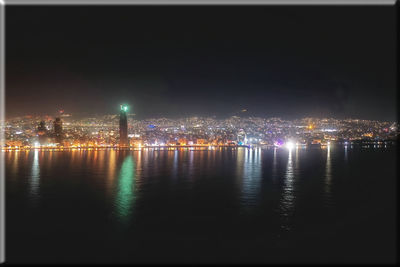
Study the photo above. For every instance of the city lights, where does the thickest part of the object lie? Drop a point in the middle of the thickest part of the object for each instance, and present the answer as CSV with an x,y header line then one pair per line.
x,y
289,145
110,131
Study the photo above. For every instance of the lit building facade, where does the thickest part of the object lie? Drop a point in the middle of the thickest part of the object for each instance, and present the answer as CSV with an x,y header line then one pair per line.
x,y
123,126
58,130
42,132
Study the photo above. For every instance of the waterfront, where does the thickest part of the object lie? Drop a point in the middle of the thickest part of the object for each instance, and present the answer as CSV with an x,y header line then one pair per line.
x,y
227,205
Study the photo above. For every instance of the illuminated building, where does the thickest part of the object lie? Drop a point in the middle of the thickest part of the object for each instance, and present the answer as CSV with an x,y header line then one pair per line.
x,y
42,132
58,130
241,137
182,141
123,126
42,128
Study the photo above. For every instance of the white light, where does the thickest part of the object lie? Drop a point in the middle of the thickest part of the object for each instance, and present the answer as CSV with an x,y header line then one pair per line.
x,y
289,145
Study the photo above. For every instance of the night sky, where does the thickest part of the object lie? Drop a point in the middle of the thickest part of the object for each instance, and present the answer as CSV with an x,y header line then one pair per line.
x,y
175,61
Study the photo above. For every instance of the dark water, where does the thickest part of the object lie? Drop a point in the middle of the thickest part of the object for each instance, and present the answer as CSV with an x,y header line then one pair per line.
x,y
224,206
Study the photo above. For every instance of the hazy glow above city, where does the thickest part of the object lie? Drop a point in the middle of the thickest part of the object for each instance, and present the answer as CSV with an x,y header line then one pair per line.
x,y
272,62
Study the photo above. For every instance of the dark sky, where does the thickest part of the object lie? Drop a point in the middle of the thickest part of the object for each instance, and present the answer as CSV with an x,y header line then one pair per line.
x,y
291,62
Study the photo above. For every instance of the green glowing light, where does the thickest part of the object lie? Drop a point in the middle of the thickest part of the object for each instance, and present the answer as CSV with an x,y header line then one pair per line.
x,y
125,196
124,108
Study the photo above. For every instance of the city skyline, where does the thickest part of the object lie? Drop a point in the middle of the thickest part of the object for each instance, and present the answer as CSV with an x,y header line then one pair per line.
x,y
272,61
125,131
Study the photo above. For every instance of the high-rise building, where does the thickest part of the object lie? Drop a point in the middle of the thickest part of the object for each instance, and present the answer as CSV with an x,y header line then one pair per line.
x,y
42,132
123,126
58,130
42,128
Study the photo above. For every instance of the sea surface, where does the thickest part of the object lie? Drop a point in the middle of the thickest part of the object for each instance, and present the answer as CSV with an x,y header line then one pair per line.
x,y
329,205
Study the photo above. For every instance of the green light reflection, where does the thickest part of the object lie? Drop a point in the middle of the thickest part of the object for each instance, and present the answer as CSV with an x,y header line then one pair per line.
x,y
126,186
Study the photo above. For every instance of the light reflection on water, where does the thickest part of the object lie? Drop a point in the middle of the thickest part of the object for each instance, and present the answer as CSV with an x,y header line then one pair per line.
x,y
288,198
240,164
191,165
274,166
254,195
15,162
251,177
121,174
126,188
175,164
111,170
328,177
120,168
35,176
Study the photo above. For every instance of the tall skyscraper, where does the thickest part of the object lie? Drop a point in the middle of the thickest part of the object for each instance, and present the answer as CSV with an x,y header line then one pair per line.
x,y
123,126
42,132
58,130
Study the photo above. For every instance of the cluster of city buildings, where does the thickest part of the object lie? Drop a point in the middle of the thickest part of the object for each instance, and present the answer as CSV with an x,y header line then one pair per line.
x,y
123,130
